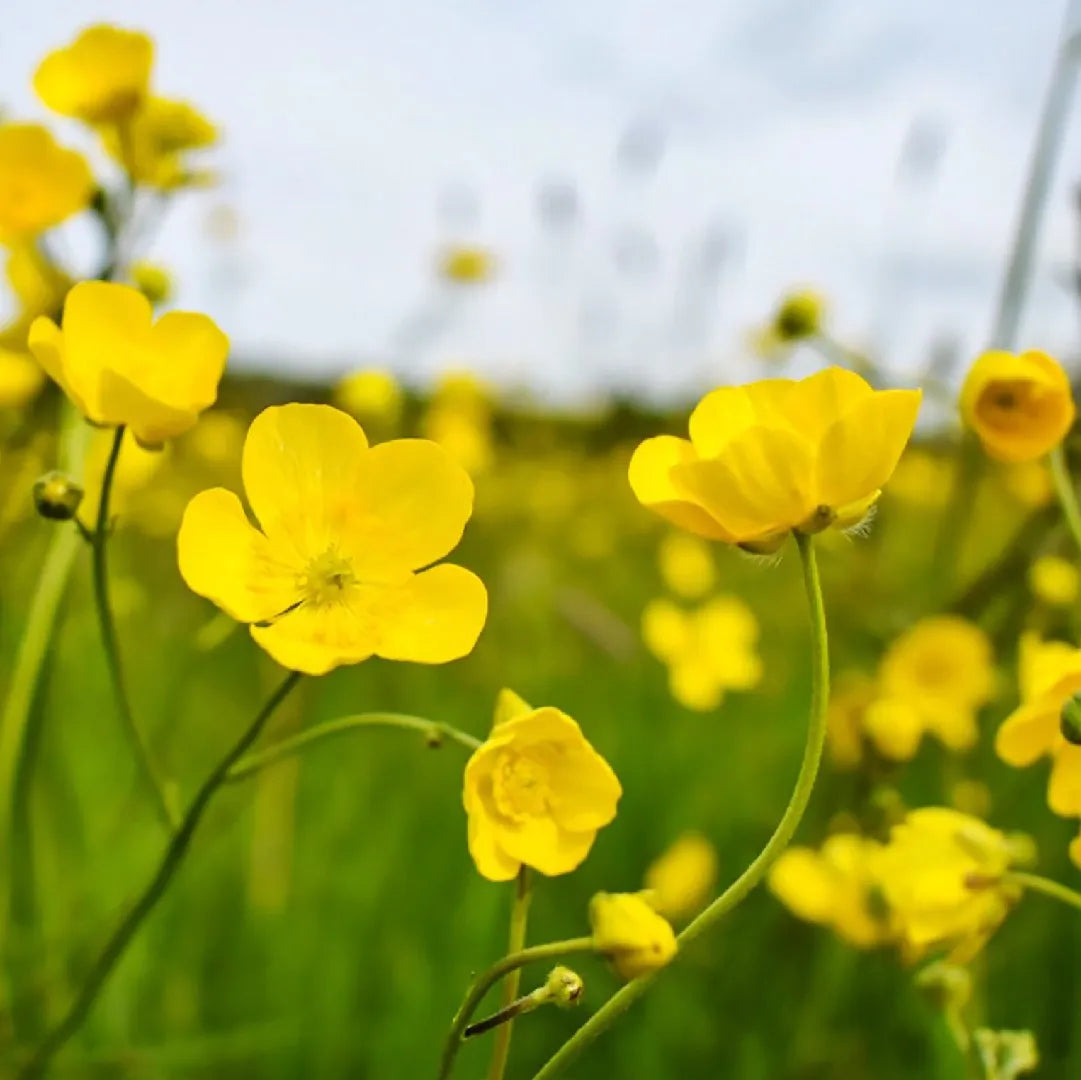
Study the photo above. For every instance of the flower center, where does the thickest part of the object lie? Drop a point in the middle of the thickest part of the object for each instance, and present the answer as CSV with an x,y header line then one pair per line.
x,y
326,579
520,787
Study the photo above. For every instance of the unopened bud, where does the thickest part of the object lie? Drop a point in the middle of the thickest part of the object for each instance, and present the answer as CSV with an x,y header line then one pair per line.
x,y
1070,720
564,987
57,496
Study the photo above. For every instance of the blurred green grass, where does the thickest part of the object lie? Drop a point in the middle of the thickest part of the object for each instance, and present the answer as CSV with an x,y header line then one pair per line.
x,y
328,918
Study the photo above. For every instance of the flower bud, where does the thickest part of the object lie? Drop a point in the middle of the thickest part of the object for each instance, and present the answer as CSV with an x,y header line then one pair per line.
x,y
1070,720
949,986
563,987
57,496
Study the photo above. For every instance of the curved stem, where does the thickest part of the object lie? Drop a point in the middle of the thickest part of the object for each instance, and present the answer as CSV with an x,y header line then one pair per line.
x,y
519,917
556,950
154,891
99,544
1065,492
1034,883
616,1005
434,730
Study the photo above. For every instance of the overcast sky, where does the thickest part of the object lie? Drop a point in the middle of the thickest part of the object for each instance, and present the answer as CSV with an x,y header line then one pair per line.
x,y
695,158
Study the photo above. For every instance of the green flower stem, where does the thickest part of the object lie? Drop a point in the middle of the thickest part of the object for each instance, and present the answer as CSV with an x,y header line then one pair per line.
x,y
487,979
519,917
433,730
1033,882
98,547
1066,492
154,891
605,1016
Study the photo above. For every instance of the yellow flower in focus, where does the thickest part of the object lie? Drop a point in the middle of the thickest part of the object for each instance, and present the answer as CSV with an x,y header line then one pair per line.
x,y
101,77
1050,675
336,574
1054,580
707,651
680,881
631,934
20,378
152,145
799,316
152,279
118,366
371,396
466,265
41,183
1020,406
941,874
686,565
777,455
835,887
943,669
852,693
535,793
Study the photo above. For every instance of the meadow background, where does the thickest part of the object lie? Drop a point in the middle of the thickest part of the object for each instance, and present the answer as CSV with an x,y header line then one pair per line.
x,y
329,918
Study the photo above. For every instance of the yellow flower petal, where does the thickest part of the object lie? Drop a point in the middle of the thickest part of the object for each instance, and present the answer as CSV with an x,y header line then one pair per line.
x,y
226,560
541,843
651,480
728,411
46,344
435,618
804,884
509,705
1027,734
490,859
316,640
1064,788
665,629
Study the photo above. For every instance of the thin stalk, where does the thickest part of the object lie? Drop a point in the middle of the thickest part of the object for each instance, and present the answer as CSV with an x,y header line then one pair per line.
x,y
556,950
1066,492
1034,883
435,731
519,918
154,891
622,1000
98,547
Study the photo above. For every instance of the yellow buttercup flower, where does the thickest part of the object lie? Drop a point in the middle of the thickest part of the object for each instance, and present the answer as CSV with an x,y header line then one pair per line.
x,y
942,672
1020,406
835,887
466,265
942,875
686,565
20,378
1054,580
119,367
151,146
335,574
1050,674
777,455
101,77
680,881
41,183
371,396
535,793
630,933
707,651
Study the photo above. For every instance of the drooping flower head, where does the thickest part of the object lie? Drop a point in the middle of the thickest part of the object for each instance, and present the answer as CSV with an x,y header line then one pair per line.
x,y
943,876
101,77
335,572
1020,406
836,887
535,793
120,367
777,455
630,933
41,183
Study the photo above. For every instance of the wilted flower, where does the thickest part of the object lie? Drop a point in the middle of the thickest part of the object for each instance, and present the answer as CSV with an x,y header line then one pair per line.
x,y
335,576
118,366
100,78
1020,406
630,933
535,793
943,875
707,651
777,455
680,881
41,183
835,887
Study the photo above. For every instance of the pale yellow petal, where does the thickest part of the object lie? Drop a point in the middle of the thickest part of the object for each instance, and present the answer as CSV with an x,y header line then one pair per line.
x,y
490,859
316,639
